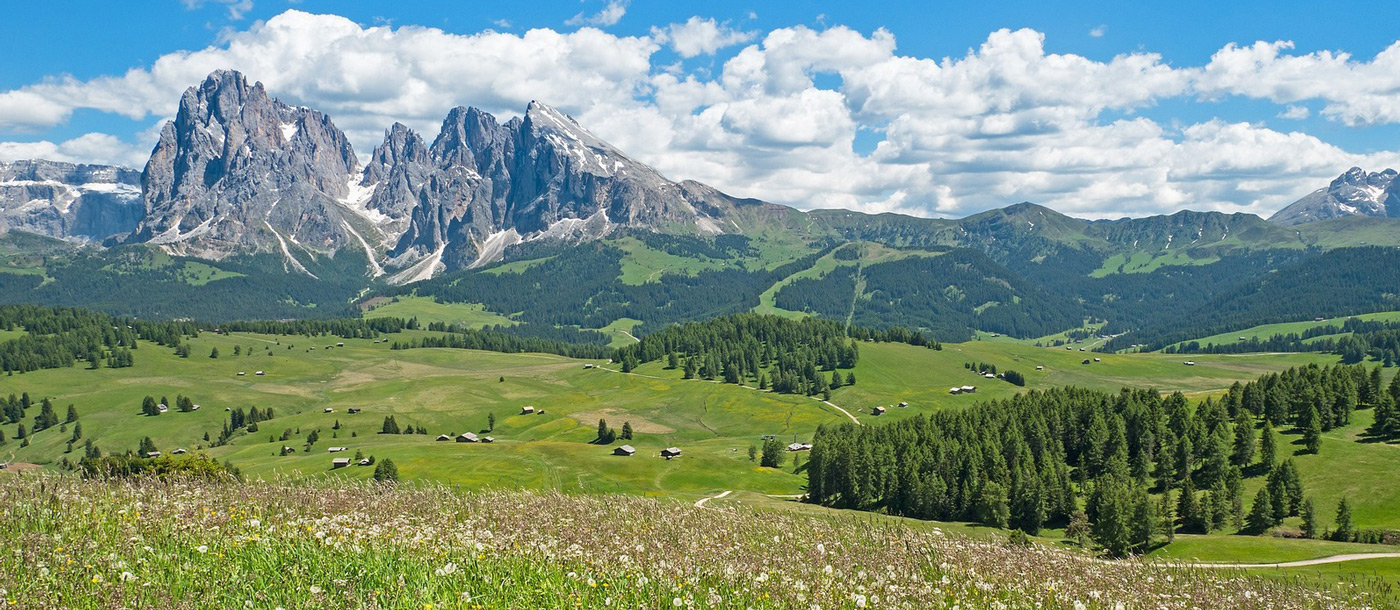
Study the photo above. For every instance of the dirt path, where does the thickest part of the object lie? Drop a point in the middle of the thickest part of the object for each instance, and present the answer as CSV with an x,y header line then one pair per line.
x,y
843,411
701,502
1289,564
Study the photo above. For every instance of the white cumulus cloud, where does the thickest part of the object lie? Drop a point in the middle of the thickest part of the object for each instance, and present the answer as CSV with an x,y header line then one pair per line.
x,y
610,15
778,117
700,36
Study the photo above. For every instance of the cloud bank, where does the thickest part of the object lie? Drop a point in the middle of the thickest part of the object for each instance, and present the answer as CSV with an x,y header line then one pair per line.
x,y
828,117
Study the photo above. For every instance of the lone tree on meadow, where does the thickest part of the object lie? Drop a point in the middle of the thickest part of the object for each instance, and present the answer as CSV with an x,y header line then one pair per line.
x,y
386,472
1346,530
772,454
390,426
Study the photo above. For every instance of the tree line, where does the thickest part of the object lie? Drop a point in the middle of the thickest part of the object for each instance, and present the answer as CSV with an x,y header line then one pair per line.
x,y
1029,461
787,356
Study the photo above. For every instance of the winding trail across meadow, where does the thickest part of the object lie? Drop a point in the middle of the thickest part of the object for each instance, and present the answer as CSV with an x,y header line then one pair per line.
x,y
701,502
1289,564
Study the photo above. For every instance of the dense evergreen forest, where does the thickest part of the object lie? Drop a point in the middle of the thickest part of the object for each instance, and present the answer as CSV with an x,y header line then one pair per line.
x,y
507,343
787,356
1341,282
1028,462
126,282
59,337
1377,340
950,295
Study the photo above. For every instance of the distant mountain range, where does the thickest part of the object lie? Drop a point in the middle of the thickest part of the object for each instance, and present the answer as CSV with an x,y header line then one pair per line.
x,y
253,208
237,172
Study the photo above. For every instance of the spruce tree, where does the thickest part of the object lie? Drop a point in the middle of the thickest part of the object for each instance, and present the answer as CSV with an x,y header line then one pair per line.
x,y
1243,450
72,414
386,472
1309,519
773,455
627,431
1268,447
1346,530
1261,513
1312,431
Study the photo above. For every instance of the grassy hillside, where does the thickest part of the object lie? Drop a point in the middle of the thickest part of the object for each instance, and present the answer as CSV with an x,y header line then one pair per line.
x,y
1264,331
446,391
472,315
453,391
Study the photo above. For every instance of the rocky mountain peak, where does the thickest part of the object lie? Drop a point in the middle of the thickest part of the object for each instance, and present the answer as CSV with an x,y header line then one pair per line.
x,y
1354,193
238,171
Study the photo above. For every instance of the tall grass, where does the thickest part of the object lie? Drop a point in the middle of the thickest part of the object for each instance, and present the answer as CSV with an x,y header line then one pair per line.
x,y
69,543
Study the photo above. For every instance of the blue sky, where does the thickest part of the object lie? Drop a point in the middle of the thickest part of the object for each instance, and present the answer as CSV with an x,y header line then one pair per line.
x,y
814,104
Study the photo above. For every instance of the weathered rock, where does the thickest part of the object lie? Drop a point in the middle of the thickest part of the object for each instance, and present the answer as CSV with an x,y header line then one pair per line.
x,y
237,171
67,201
1354,193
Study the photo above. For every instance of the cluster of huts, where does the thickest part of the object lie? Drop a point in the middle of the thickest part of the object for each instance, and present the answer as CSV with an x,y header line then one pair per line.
x,y
629,451
466,437
343,462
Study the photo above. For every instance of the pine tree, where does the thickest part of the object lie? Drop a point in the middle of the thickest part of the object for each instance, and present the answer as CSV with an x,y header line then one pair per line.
x,y
1193,518
1243,453
753,452
672,361
490,422
1268,447
1309,519
1109,514
991,506
386,472
1346,530
836,380
772,456
1166,512
390,425
146,447
148,406
72,414
627,431
1312,431
1261,514
1079,528
214,353
851,378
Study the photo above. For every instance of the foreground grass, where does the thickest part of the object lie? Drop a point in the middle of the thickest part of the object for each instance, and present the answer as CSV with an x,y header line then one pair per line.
x,y
187,544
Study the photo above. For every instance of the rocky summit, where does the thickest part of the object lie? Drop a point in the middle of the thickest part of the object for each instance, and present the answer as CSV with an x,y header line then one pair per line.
x,y
1354,193
238,172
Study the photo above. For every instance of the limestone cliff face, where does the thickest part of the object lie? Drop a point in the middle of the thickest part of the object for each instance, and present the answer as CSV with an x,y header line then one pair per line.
x,y
68,201
484,185
237,171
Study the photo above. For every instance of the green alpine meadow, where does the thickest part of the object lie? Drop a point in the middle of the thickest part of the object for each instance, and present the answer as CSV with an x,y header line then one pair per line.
x,y
775,306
